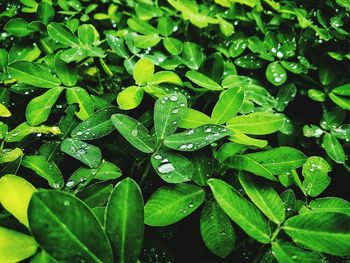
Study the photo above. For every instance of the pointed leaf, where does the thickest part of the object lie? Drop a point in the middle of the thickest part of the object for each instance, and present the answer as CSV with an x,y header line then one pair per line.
x,y
62,34
202,80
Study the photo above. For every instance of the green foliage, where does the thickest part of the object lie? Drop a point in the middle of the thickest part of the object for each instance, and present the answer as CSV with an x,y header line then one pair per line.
x,y
132,128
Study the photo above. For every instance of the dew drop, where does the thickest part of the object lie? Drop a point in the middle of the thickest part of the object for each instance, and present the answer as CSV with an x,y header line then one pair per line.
x,y
166,168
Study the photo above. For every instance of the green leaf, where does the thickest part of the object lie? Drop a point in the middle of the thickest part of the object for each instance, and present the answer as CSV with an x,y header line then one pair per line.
x,y
15,194
243,139
333,118
276,74
130,97
342,102
82,151
343,90
4,111
203,166
45,12
228,105
315,172
202,80
18,27
143,71
96,195
268,163
168,113
134,132
333,148
117,45
192,55
216,230
33,74
15,246
166,26
67,72
107,171
173,45
166,77
170,204
96,126
258,123
9,155
47,170
86,34
288,253
330,204
193,119
38,109
24,129
194,139
172,167
63,215
83,99
147,41
62,34
264,196
124,221
285,95
242,212
324,231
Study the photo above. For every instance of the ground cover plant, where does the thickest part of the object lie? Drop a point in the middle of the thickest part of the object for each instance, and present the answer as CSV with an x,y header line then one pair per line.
x,y
174,131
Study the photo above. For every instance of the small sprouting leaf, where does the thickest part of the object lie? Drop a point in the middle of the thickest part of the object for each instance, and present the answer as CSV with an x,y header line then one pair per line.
x,y
170,204
96,126
168,113
172,167
39,108
333,148
194,139
33,74
62,34
15,194
202,80
15,246
143,71
216,230
134,132
193,119
124,219
63,216
264,197
268,163
323,231
82,151
315,172
47,170
276,74
287,253
130,97
228,105
241,211
258,123
82,98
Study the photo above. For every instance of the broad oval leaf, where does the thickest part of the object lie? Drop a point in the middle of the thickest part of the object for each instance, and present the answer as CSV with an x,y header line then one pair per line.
x,y
63,215
330,204
193,119
173,45
67,72
124,220
39,108
83,99
15,194
258,123
288,253
194,139
15,246
172,167
241,211
62,34
264,197
170,204
130,97
134,132
228,105
276,74
333,148
268,163
47,170
168,113
82,151
315,172
217,230
202,80
192,55
143,71
33,74
324,231
96,126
